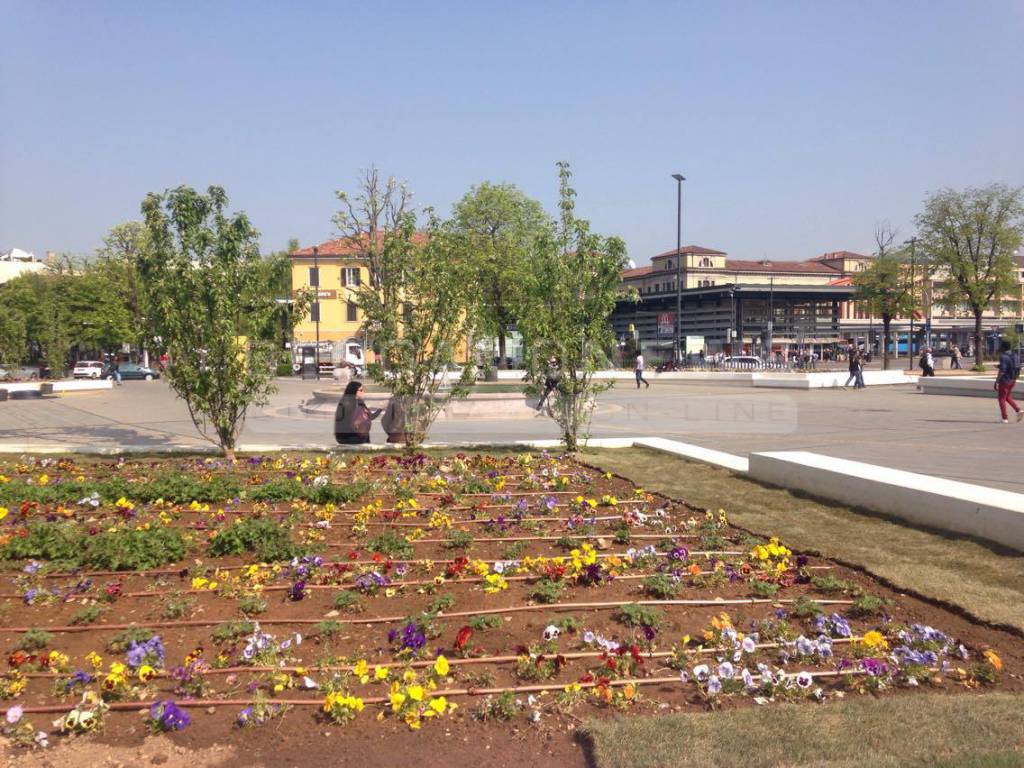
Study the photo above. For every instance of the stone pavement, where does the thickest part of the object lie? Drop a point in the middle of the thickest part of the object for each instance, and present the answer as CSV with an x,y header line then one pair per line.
x,y
954,437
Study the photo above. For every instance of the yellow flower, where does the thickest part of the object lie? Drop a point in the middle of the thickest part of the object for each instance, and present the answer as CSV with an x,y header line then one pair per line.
x,y
94,659
874,641
380,673
412,719
441,666
437,705
360,668
3,512
397,700
43,479
415,692
146,673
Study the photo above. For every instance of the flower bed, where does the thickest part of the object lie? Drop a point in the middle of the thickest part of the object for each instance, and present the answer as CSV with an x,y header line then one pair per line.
x,y
383,592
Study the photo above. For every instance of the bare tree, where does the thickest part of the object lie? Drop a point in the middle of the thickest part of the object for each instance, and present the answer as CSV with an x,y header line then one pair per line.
x,y
373,213
884,287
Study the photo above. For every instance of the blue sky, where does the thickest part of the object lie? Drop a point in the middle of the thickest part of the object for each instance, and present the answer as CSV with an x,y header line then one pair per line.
x,y
798,125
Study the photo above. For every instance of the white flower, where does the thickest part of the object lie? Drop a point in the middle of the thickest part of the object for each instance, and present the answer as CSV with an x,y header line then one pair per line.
x,y
726,670
42,739
749,646
551,632
701,672
714,685
804,679
308,683
14,714
684,676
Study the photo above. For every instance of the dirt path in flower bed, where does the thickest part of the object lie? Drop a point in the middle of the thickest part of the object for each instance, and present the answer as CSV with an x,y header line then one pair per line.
x,y
538,730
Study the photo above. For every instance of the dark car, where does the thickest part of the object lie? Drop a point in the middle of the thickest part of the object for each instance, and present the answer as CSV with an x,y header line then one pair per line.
x,y
133,371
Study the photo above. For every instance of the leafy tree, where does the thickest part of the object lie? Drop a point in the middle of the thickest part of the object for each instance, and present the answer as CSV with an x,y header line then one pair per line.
x,y
568,297
970,238
885,287
208,297
421,312
13,335
501,224
118,261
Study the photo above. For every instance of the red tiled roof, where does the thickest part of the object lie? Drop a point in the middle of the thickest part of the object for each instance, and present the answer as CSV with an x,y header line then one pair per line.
x,y
348,246
841,281
637,272
740,265
691,249
831,255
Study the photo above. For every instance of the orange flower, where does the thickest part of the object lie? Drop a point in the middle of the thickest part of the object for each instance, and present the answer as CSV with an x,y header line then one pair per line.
x,y
694,570
993,658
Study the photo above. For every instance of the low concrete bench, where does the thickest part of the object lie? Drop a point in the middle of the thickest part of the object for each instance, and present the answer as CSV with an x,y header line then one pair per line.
x,y
948,505
964,386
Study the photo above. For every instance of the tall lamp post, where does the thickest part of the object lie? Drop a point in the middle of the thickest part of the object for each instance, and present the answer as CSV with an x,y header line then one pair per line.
x,y
316,287
912,242
679,267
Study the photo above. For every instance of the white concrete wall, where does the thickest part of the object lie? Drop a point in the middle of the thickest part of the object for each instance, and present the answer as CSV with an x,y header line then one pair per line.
x,y
70,385
964,386
828,379
949,505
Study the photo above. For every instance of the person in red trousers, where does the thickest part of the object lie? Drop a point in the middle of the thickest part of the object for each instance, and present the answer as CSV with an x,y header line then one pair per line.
x,y
1009,372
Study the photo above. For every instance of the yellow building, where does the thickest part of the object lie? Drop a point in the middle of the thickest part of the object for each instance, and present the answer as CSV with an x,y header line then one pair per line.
x,y
336,269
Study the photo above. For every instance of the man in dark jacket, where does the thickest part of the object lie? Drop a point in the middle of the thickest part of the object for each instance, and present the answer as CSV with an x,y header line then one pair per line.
x,y
1009,372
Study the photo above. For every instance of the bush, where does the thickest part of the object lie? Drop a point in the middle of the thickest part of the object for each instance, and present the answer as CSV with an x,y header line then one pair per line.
x,y
393,545
547,591
34,640
347,601
485,622
633,615
252,605
44,541
763,589
830,583
866,605
132,550
660,586
806,608
268,540
459,540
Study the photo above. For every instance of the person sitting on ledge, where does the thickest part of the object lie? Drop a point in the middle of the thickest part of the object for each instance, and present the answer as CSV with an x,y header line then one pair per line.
x,y
352,419
394,420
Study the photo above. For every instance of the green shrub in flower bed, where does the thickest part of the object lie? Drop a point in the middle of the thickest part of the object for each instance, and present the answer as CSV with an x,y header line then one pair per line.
x,y
132,550
267,540
124,550
179,489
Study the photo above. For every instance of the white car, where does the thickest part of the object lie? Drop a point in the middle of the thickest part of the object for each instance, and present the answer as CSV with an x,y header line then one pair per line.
x,y
88,369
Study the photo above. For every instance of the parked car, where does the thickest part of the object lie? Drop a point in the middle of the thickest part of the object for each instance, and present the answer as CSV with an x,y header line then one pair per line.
x,y
133,371
87,369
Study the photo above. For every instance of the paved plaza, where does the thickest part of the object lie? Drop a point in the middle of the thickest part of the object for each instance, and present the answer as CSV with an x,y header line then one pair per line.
x,y
954,437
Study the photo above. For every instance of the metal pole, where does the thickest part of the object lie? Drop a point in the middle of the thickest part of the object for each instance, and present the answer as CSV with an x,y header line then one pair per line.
x,y
679,266
913,291
316,271
771,314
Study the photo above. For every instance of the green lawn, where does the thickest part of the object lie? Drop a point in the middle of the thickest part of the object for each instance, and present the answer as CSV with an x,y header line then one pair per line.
x,y
984,731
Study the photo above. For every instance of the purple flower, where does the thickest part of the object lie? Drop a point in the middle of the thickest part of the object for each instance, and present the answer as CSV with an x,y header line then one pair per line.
x,y
168,716
150,652
714,685
297,591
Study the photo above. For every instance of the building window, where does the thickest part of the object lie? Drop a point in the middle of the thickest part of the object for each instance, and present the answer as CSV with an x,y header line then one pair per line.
x,y
706,262
314,312
351,312
314,277
350,276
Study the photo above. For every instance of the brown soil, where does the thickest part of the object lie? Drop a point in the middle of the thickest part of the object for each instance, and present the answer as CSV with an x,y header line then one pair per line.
x,y
302,736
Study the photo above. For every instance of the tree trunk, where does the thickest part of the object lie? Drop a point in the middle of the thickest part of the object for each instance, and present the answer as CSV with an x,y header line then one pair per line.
x,y
229,454
501,348
885,344
979,353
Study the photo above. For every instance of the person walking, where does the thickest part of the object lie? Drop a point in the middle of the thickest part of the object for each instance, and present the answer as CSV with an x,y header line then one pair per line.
x,y
352,419
552,378
954,358
1009,372
854,366
927,362
638,369
115,373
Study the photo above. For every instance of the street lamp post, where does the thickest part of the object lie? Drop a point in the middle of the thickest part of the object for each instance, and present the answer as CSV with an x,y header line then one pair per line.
x,y
771,315
912,242
679,267
316,273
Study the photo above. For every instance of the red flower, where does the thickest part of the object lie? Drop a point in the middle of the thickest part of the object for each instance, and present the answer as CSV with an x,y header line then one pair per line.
x,y
353,555
462,638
